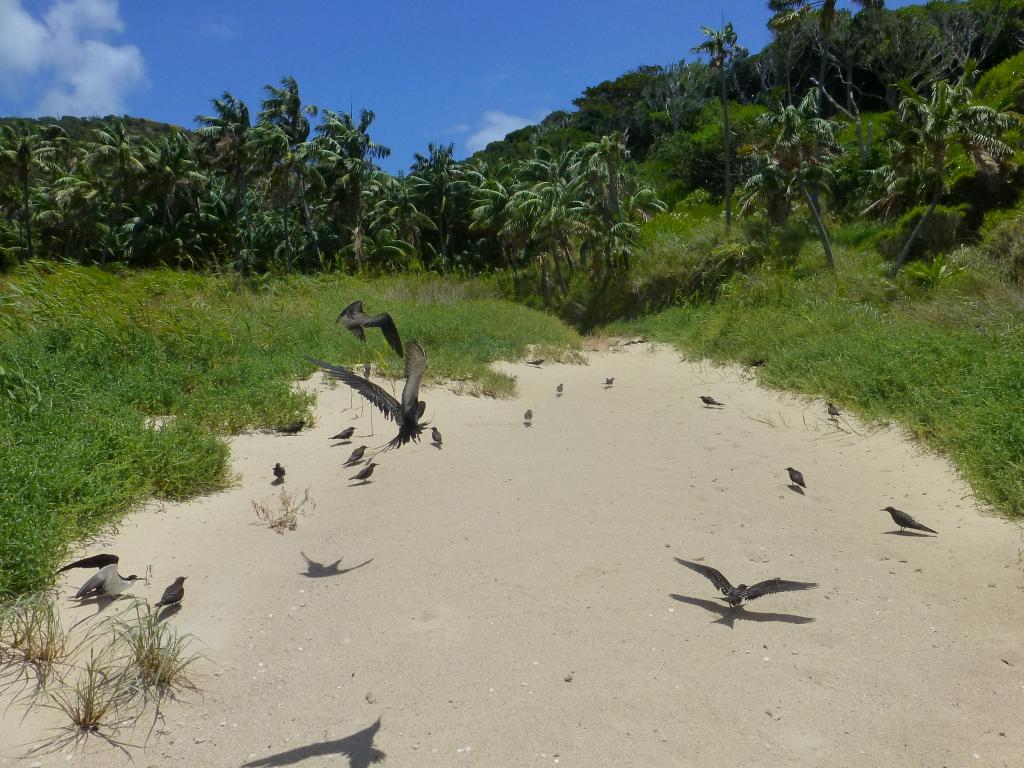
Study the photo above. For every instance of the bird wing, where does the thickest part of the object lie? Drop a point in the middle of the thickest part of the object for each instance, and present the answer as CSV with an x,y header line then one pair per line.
x,y
415,367
97,581
711,574
772,586
388,328
377,396
95,561
353,310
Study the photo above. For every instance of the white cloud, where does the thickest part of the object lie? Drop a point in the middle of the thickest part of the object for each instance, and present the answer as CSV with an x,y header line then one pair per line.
x,y
79,72
496,125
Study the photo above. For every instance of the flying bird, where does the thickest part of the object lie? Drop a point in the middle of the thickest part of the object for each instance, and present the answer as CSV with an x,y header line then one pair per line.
x,y
345,434
355,321
609,382
407,413
363,475
558,390
278,473
903,520
356,456
796,477
173,594
832,411
292,429
734,596
435,435
708,400
95,561
106,581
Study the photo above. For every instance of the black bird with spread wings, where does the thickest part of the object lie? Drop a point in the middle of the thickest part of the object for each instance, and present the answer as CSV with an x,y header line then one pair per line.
x,y
95,561
736,595
407,413
355,321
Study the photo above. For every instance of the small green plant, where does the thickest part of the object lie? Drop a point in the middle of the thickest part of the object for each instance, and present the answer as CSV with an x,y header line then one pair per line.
x,y
97,693
931,274
158,661
31,633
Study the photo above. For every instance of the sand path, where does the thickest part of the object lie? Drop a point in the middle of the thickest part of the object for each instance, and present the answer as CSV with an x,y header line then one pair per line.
x,y
521,605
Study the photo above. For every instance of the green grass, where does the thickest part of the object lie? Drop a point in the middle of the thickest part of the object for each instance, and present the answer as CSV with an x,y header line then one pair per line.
x,y
87,356
946,363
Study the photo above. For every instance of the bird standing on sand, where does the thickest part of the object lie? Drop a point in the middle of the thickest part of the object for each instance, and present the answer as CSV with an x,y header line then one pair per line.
x,y
796,477
345,434
278,473
735,596
95,561
833,412
535,363
173,594
708,401
355,320
363,475
528,417
106,581
407,413
356,456
558,390
292,429
608,382
903,520
435,435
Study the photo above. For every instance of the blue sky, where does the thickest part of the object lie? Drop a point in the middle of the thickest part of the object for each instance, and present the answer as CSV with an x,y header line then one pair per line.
x,y
449,72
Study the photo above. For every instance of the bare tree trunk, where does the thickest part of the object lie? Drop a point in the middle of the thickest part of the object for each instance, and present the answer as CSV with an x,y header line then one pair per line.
x,y
728,152
820,226
905,252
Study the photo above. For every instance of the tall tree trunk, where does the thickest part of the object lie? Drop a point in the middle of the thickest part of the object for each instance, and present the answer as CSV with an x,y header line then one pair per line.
x,y
820,226
728,152
26,213
905,252
311,244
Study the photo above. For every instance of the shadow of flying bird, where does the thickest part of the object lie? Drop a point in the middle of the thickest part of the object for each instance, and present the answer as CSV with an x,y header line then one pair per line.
x,y
358,748
355,320
315,570
407,413
728,615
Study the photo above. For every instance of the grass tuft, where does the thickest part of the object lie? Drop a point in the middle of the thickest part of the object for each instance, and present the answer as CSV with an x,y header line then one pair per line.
x,y
157,657
32,634
94,695
286,516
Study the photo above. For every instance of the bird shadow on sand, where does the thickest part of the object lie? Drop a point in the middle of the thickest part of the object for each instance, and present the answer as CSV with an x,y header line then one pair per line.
x,y
277,481
796,488
912,534
341,442
728,615
436,445
361,482
167,611
358,748
315,570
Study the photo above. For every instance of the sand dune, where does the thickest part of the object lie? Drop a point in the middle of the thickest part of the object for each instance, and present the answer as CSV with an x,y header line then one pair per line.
x,y
511,599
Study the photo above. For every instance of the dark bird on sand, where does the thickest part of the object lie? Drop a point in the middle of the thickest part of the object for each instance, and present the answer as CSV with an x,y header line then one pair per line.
x,y
407,413
355,321
536,363
755,362
366,370
528,416
292,429
345,434
106,581
356,456
173,594
832,410
734,596
609,382
94,561
435,435
558,390
364,474
708,400
278,473
903,520
796,476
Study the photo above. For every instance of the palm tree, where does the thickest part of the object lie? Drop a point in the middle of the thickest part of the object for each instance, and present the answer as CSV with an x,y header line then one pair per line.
x,y
930,129
435,180
723,50
395,206
117,151
23,153
801,144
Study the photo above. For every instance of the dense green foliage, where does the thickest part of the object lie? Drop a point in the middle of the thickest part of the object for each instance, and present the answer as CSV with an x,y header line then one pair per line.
x,y
87,357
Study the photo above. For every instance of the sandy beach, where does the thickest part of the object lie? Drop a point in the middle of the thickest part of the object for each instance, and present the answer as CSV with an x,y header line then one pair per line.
x,y
512,599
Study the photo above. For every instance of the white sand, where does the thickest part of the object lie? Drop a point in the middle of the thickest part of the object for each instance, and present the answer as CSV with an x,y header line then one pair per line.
x,y
515,559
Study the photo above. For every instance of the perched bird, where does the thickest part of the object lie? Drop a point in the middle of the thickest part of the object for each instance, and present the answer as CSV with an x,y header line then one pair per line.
x,y
356,456
292,429
558,390
278,473
363,475
407,413
106,581
609,382
755,362
832,410
173,594
535,363
345,434
796,477
708,400
903,520
95,561
355,321
528,417
734,596
435,435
